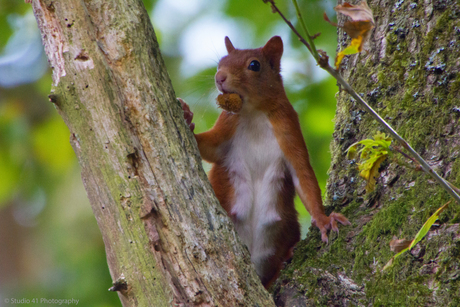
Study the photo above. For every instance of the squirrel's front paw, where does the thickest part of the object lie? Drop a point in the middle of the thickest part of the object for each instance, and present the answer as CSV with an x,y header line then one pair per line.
x,y
188,115
324,223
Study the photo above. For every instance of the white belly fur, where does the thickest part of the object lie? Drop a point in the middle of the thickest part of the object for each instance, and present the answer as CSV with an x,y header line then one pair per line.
x,y
257,169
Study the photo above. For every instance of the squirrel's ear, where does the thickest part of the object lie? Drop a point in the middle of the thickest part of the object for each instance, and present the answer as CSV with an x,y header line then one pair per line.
x,y
273,50
229,45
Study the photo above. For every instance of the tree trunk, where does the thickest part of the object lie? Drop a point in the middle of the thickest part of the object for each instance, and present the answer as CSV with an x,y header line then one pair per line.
x,y
168,241
410,75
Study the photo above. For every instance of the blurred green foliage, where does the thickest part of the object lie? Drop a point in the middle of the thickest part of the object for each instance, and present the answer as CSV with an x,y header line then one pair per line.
x,y
8,7
41,195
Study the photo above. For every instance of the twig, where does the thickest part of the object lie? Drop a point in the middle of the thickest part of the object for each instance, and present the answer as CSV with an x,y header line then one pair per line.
x,y
418,167
415,167
309,38
371,111
454,187
276,10
396,148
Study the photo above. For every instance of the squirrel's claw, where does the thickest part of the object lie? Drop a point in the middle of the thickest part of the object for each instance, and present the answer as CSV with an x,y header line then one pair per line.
x,y
329,222
188,115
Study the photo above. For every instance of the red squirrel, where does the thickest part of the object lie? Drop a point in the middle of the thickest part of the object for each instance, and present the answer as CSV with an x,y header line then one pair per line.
x,y
260,160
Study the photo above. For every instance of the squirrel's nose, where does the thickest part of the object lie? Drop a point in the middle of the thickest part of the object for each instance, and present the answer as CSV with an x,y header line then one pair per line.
x,y
221,77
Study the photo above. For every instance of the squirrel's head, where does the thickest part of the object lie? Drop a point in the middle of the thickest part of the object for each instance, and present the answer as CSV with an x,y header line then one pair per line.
x,y
254,74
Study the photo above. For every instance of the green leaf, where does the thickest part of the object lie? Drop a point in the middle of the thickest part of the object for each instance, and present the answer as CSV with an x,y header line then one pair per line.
x,y
420,235
426,227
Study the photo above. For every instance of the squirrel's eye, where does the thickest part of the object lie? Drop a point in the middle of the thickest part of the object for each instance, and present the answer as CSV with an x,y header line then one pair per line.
x,y
254,65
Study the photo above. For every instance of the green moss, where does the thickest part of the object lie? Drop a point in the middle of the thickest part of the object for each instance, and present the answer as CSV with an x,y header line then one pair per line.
x,y
455,87
442,28
391,292
401,218
416,93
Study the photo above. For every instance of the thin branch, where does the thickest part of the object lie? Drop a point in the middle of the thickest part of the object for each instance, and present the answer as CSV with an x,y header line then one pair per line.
x,y
396,148
417,166
309,38
454,187
276,10
371,111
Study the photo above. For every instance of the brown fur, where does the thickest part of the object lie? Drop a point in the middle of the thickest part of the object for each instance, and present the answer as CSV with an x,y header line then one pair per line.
x,y
263,91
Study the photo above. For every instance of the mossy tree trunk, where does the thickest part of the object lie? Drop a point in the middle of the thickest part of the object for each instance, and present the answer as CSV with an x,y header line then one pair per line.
x,y
410,75
168,241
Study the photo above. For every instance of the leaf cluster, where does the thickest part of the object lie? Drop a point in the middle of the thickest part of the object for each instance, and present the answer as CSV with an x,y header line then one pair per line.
x,y
373,153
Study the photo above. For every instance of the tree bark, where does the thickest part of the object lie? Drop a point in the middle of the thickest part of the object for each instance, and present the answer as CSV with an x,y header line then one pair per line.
x,y
410,75
168,241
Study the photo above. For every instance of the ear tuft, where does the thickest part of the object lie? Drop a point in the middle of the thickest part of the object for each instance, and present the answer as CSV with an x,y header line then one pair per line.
x,y
228,45
273,50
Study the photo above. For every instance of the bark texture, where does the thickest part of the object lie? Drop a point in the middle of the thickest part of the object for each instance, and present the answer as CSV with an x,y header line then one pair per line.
x,y
168,241
410,75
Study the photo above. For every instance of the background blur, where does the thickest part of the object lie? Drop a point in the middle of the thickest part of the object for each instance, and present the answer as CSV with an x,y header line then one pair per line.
x,y
50,245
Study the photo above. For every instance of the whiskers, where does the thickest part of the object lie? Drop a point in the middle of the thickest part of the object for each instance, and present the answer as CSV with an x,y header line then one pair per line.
x,y
200,93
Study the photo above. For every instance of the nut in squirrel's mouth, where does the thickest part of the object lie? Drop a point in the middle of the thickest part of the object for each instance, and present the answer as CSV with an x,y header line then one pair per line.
x,y
230,102
227,93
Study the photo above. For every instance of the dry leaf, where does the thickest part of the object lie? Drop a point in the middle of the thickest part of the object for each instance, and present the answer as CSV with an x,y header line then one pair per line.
x,y
328,20
358,28
359,12
397,245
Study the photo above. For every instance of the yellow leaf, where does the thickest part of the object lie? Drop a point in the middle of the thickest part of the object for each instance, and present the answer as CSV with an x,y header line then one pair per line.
x,y
373,173
339,59
353,48
358,28
365,173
